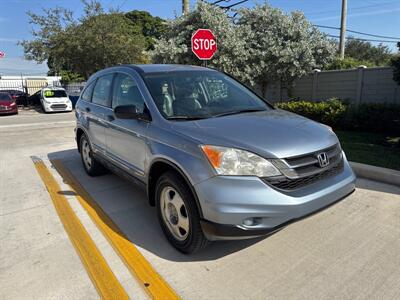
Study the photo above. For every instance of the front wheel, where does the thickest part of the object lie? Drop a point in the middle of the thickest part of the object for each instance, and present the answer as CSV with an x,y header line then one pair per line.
x,y
178,214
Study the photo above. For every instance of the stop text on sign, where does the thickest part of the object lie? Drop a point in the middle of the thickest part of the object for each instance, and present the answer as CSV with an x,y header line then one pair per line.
x,y
204,44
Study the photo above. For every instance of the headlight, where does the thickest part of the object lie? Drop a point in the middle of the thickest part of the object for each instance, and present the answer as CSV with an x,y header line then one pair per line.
x,y
230,161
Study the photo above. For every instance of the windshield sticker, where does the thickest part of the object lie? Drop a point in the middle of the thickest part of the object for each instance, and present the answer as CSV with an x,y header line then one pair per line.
x,y
48,93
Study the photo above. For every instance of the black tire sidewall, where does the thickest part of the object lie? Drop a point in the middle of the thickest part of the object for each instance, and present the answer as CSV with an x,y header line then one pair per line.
x,y
83,137
171,180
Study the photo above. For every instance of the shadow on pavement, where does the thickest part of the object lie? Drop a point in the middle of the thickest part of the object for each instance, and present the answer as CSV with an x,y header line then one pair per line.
x,y
127,205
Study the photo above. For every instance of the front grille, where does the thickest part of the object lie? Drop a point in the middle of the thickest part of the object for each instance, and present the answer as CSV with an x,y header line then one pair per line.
x,y
293,184
300,171
3,107
59,106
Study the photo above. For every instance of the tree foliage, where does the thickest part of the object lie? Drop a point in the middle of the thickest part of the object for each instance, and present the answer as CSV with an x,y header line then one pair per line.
x,y
347,63
81,47
395,63
281,46
364,51
263,45
175,45
151,27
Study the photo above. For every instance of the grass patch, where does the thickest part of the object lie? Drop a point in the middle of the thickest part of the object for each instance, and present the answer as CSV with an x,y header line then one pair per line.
x,y
375,149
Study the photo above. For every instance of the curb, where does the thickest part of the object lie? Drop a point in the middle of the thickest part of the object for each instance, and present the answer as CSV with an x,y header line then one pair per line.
x,y
376,173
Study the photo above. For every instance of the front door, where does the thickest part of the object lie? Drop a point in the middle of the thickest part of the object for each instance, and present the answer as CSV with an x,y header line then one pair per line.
x,y
126,138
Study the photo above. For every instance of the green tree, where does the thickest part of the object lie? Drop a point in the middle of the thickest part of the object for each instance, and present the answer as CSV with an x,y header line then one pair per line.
x,y
395,63
264,45
84,46
364,51
151,27
175,44
347,63
279,46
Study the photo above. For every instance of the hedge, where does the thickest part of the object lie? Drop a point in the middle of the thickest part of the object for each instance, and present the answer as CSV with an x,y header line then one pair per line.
x,y
370,117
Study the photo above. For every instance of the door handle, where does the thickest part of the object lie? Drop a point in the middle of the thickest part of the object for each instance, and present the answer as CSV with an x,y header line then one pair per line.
x,y
87,109
110,118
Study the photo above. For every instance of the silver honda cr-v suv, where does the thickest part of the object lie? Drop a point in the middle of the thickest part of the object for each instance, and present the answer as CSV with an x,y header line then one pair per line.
x,y
218,161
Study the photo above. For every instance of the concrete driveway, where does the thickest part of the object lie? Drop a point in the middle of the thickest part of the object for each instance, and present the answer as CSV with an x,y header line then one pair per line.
x,y
349,251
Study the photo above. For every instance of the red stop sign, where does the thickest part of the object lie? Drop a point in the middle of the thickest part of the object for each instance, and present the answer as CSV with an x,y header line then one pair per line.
x,y
204,44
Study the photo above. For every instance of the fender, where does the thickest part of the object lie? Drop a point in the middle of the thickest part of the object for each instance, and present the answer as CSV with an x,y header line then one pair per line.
x,y
181,173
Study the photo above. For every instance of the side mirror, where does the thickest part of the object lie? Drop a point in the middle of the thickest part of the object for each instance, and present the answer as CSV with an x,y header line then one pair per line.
x,y
126,112
131,112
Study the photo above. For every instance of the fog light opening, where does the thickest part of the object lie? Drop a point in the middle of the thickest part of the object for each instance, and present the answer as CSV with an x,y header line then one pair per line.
x,y
251,221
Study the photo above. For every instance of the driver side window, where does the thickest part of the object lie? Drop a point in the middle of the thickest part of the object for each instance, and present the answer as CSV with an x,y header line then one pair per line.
x,y
126,92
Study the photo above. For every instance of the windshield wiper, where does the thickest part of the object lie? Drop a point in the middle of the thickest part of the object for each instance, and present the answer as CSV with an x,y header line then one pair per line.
x,y
186,118
234,112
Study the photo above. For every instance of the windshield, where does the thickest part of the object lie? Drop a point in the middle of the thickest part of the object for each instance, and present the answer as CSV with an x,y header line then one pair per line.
x,y
5,97
200,94
54,94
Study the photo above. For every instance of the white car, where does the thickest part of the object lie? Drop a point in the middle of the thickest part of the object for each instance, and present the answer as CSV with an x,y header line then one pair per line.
x,y
55,99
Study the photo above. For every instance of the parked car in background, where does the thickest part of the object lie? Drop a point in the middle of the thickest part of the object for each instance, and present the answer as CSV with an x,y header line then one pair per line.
x,y
55,99
218,161
17,94
7,104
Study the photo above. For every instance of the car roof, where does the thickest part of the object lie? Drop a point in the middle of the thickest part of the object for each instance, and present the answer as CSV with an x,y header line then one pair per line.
x,y
157,68
149,69
53,88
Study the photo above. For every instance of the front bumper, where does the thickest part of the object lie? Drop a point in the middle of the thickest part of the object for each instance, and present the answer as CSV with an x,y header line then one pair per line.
x,y
226,201
9,110
56,107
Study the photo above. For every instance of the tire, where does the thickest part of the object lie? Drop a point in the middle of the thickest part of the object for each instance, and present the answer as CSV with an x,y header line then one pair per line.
x,y
174,201
92,166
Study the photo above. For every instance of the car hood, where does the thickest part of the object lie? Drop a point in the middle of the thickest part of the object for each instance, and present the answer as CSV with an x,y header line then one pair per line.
x,y
6,103
271,134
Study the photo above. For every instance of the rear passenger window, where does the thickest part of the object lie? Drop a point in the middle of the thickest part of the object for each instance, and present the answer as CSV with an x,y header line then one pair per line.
x,y
126,92
87,93
101,92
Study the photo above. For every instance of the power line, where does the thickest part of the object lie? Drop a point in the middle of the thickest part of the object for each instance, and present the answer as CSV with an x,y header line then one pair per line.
x,y
218,1
362,33
352,8
234,4
365,40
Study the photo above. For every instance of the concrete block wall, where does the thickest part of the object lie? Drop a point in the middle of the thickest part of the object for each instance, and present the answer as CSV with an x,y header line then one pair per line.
x,y
361,85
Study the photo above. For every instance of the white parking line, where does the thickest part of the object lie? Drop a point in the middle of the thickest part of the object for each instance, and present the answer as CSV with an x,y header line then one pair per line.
x,y
36,124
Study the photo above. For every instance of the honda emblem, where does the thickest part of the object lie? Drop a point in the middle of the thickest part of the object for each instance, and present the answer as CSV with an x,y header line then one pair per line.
x,y
323,159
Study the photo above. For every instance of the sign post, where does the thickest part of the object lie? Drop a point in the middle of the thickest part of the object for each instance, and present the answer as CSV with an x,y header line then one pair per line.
x,y
204,44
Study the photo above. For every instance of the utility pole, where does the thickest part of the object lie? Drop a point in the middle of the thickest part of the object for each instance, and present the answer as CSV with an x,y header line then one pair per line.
x,y
185,7
343,29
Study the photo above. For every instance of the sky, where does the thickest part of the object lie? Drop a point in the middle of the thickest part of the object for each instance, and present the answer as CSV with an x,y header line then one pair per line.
x,y
381,17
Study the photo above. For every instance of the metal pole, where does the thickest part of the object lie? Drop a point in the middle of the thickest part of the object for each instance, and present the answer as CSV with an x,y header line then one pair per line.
x,y
185,7
343,29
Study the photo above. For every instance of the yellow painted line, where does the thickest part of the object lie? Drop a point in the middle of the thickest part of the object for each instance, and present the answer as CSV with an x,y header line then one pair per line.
x,y
137,264
99,272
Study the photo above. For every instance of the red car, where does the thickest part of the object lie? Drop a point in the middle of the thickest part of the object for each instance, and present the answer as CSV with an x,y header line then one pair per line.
x,y
7,104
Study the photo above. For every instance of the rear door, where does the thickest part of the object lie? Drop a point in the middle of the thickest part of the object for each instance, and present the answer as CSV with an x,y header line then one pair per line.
x,y
97,109
126,138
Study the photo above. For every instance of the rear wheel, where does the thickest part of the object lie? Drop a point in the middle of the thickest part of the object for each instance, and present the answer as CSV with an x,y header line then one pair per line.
x,y
178,214
92,166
